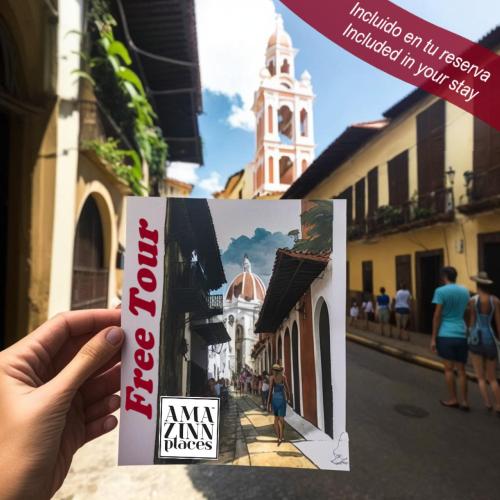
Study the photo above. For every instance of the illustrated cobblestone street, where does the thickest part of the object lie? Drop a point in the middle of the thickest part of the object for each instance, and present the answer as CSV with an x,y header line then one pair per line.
x,y
247,437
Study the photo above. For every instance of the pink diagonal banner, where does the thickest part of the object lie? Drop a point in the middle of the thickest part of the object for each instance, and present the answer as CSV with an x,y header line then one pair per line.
x,y
392,39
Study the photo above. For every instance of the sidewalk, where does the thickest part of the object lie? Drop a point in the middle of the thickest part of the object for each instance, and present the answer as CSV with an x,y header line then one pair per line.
x,y
416,351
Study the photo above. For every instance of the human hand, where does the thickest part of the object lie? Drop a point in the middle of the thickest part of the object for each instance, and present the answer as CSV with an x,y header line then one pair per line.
x,y
433,345
57,390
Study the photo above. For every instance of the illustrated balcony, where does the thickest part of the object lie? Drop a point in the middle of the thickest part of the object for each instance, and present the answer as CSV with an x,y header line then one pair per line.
x,y
191,296
482,191
422,210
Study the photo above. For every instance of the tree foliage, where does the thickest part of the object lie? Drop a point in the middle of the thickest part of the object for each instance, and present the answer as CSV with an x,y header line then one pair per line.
x,y
318,224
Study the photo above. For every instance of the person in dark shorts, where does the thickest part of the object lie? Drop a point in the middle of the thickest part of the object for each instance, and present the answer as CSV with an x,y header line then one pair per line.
x,y
449,335
383,311
484,307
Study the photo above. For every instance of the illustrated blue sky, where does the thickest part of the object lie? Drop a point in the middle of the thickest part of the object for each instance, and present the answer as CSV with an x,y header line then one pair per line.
x,y
347,89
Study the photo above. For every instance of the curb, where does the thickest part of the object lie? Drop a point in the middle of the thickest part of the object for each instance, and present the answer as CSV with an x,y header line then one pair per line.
x,y
407,356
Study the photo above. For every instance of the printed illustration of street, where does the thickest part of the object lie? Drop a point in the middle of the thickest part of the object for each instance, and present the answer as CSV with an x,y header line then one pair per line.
x,y
403,445
247,437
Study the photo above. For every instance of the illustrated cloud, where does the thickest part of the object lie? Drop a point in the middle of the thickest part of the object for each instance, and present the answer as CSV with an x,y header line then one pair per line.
x,y
261,250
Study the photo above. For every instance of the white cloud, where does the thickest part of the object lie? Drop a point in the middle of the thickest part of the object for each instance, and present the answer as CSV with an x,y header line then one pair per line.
x,y
212,183
232,40
185,172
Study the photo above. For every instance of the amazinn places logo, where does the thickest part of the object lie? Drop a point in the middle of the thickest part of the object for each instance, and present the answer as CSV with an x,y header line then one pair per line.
x,y
189,428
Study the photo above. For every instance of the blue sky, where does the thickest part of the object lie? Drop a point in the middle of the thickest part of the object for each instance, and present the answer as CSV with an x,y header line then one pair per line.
x,y
347,90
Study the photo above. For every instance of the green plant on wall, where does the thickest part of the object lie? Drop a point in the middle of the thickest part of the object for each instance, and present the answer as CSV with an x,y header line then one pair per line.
x,y
318,220
126,164
109,56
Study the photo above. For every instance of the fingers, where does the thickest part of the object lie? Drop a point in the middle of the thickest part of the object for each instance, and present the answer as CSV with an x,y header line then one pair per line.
x,y
99,427
101,408
103,385
55,332
90,358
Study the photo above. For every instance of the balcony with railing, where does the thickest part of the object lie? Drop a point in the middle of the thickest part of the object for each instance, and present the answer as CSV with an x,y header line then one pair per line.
x,y
422,210
482,191
189,286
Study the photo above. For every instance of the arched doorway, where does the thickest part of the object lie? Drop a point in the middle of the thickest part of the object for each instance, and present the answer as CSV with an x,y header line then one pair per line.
x,y
326,368
279,354
295,368
239,348
90,274
286,356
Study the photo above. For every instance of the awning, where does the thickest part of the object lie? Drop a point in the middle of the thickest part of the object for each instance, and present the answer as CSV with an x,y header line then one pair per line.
x,y
212,333
161,36
293,273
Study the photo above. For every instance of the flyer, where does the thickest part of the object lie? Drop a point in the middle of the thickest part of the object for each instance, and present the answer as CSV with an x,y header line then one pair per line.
x,y
234,315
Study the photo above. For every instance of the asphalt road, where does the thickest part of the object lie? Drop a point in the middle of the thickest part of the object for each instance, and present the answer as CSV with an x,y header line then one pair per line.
x,y
403,444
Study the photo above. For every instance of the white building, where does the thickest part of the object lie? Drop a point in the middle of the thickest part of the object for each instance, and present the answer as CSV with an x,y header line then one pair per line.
x,y
242,304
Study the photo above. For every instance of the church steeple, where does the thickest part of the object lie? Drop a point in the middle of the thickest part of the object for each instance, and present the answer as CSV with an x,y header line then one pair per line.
x,y
284,117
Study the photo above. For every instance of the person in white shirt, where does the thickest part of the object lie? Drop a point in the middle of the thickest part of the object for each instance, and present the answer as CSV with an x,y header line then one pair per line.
x,y
403,306
368,310
354,312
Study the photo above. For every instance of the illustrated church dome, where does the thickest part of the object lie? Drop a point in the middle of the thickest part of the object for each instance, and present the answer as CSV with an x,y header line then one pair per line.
x,y
280,36
246,285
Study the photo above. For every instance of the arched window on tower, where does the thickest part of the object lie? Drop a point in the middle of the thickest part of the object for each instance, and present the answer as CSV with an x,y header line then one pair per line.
x,y
270,119
303,123
286,170
285,67
285,124
271,67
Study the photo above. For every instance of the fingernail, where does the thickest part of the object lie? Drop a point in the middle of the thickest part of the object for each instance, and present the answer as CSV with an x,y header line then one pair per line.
x,y
114,336
109,424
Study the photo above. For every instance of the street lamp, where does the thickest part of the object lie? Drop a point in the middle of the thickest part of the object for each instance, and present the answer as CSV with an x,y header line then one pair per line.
x,y
450,173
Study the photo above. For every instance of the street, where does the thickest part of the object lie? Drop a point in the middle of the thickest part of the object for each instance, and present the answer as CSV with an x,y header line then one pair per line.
x,y
403,444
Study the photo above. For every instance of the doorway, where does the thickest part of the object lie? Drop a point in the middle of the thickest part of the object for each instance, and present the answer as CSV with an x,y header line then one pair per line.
x,y
90,274
429,265
295,368
489,258
4,209
326,368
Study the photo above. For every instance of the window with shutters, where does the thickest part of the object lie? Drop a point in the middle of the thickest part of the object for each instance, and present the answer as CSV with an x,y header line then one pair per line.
x,y
432,195
372,191
398,180
347,195
367,275
486,180
360,202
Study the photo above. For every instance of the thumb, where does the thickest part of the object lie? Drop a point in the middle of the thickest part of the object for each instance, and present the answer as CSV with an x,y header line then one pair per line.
x,y
92,356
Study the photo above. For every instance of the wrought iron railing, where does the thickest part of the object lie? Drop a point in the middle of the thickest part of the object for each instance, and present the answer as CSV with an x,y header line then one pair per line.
x,y
421,208
482,185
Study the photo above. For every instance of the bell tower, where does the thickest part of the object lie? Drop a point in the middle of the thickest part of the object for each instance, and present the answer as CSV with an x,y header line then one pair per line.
x,y
283,108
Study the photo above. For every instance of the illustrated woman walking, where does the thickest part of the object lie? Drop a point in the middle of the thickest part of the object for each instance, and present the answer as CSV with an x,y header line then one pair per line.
x,y
485,307
278,397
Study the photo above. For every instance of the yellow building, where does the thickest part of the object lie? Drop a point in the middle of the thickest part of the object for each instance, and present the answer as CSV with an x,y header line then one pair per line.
x,y
423,191
62,204
233,190
176,188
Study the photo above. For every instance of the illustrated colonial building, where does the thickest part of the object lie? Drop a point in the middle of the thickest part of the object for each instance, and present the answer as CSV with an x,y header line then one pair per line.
x,y
284,139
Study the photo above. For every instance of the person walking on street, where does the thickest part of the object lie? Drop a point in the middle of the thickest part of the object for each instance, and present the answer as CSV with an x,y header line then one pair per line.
x,y
277,399
368,311
353,312
449,335
383,310
484,307
264,390
402,306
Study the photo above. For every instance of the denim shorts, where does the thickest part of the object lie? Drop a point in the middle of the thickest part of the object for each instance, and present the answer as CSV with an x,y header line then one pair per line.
x,y
452,349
